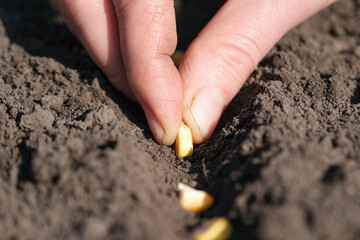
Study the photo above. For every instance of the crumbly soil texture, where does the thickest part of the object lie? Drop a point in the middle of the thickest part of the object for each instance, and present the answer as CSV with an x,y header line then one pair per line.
x,y
78,161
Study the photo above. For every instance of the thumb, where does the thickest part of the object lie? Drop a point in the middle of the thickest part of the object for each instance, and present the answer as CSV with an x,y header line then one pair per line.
x,y
228,49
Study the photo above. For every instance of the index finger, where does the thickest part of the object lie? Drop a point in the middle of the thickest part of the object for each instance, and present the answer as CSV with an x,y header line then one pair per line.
x,y
148,39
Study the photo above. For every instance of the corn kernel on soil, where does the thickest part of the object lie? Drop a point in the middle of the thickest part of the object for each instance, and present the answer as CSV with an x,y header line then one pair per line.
x,y
218,228
194,200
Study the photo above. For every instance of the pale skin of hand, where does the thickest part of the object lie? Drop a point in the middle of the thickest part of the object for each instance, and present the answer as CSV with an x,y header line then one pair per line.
x,y
132,41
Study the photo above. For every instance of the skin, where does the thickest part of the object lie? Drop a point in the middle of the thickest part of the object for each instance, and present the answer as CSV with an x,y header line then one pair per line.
x,y
132,41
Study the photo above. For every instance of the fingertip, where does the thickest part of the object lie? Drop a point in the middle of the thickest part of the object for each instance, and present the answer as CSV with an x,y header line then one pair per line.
x,y
188,118
164,134
203,112
154,125
171,124
170,135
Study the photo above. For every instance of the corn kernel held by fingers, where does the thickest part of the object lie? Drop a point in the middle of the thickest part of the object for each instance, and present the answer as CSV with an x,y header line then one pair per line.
x,y
177,56
194,200
184,143
218,228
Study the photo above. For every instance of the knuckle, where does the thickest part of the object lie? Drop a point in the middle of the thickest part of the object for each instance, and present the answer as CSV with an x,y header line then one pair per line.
x,y
155,20
162,29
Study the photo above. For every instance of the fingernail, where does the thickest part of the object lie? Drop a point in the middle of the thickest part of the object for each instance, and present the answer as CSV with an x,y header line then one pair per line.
x,y
155,126
206,109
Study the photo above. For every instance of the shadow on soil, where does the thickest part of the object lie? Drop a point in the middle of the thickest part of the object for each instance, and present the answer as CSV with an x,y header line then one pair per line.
x,y
224,169
355,99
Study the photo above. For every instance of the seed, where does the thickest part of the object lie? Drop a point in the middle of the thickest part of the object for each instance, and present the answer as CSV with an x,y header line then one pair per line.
x,y
184,142
177,56
218,228
194,200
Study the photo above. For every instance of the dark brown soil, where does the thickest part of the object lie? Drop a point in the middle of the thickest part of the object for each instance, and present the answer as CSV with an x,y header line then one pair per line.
x,y
77,160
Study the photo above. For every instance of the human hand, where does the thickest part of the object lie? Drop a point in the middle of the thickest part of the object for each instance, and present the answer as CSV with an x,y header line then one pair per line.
x,y
132,41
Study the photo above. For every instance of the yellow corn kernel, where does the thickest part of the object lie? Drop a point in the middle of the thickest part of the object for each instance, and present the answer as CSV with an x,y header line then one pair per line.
x,y
177,56
218,228
194,200
178,4
184,143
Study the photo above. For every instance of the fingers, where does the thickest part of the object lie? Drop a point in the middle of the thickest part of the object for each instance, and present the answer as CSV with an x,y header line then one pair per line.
x,y
148,38
94,23
131,41
225,53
